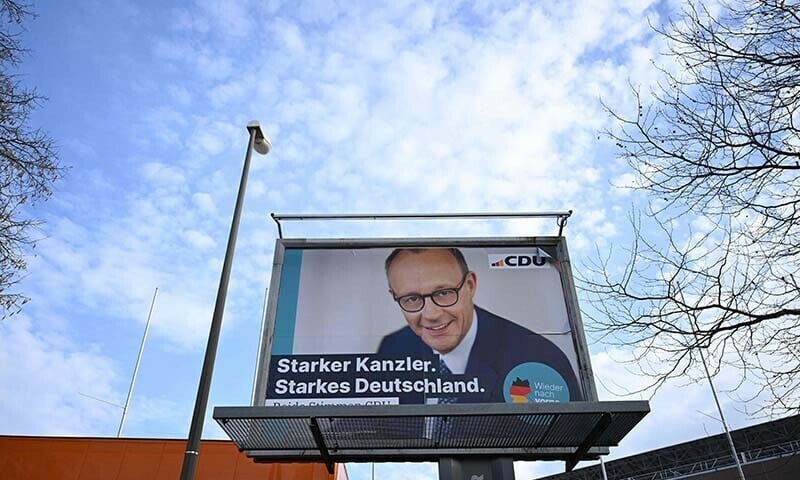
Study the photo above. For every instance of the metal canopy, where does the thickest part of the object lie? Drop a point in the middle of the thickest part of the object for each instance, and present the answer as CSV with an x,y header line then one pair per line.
x,y
544,431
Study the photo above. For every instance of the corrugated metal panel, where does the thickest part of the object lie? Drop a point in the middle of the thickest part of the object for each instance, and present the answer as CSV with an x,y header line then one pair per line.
x,y
360,433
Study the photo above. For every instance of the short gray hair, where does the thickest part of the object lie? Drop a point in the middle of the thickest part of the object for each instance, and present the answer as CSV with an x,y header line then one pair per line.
x,y
462,262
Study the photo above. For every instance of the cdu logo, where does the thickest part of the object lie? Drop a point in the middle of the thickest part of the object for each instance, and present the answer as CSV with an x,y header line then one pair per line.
x,y
536,259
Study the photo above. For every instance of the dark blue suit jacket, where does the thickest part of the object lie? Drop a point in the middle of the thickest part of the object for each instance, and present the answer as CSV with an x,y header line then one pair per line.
x,y
500,345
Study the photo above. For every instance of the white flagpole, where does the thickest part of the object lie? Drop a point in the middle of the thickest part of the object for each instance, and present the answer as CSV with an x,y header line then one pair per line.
x,y
136,368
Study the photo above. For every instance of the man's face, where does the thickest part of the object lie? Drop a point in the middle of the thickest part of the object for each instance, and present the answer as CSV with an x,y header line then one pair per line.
x,y
441,328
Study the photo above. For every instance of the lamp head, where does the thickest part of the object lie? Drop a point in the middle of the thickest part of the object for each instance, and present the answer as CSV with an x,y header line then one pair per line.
x,y
261,143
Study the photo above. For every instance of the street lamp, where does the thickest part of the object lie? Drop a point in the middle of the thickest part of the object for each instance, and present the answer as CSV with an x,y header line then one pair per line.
x,y
262,145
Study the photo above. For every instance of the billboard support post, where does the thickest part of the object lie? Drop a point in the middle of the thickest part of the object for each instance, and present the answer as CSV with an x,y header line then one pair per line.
x,y
262,145
323,450
590,440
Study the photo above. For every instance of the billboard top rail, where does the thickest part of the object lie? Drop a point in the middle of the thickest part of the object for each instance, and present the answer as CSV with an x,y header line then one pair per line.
x,y
561,217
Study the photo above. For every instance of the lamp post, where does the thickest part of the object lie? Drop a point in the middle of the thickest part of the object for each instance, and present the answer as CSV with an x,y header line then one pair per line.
x,y
262,145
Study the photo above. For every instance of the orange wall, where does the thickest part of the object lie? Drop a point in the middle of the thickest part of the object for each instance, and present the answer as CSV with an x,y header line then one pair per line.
x,y
59,458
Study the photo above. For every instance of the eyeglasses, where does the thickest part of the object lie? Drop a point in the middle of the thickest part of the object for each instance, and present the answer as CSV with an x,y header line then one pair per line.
x,y
446,297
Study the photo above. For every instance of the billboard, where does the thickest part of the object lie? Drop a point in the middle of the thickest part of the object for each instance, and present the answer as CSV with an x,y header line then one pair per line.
x,y
368,322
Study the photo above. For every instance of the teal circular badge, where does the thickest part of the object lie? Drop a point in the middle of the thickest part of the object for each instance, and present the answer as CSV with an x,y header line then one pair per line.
x,y
533,382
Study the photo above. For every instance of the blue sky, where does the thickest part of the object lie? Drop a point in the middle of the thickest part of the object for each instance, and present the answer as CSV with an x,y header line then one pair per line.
x,y
403,107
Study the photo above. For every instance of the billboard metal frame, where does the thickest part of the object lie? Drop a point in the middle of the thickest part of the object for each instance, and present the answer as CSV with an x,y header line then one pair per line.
x,y
561,217
569,431
585,374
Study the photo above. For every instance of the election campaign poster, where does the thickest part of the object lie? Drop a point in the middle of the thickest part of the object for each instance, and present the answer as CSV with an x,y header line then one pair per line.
x,y
383,324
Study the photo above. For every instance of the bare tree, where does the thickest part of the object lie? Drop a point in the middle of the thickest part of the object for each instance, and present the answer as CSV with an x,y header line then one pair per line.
x,y
28,161
714,264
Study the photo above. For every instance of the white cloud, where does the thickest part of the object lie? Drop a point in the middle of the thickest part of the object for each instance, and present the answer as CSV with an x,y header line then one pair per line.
x,y
163,175
42,377
230,92
144,410
198,240
231,19
702,225
181,95
291,37
624,183
205,202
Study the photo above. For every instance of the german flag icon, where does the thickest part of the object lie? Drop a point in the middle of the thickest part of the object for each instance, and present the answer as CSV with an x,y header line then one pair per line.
x,y
520,390
499,263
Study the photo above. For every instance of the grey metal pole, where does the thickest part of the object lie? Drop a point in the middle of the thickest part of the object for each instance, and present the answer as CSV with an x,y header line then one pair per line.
x,y
695,328
136,368
200,404
603,469
721,415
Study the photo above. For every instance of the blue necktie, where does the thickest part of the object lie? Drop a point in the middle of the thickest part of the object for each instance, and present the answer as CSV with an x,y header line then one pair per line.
x,y
439,428
444,370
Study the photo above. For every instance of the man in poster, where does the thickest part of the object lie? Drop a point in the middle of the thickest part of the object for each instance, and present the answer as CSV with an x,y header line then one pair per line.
x,y
434,289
